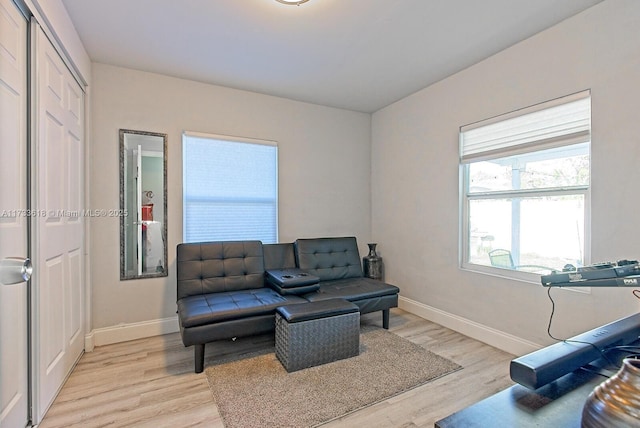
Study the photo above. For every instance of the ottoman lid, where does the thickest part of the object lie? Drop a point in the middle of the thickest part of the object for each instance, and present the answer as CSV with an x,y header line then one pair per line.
x,y
314,310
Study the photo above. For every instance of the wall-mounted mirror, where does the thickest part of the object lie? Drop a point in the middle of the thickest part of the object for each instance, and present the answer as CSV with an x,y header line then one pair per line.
x,y
143,202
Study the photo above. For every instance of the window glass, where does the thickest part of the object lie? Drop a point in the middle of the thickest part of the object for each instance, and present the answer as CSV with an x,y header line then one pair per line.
x,y
558,167
542,233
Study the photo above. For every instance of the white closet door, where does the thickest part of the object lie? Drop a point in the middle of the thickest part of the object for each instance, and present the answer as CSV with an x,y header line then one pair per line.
x,y
58,166
13,216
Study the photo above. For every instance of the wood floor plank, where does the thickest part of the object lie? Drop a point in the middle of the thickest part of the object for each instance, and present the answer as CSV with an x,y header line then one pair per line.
x,y
150,382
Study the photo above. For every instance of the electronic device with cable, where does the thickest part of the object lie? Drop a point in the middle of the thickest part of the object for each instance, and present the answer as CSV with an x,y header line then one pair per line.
x,y
623,273
541,367
548,364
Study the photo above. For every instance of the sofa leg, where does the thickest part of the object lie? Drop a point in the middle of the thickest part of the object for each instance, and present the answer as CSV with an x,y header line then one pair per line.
x,y
385,319
199,357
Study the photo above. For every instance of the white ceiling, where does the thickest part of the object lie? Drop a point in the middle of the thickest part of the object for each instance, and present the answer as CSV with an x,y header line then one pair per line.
x,y
355,54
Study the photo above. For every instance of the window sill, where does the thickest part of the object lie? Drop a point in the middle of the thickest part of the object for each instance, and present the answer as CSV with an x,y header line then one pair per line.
x,y
519,276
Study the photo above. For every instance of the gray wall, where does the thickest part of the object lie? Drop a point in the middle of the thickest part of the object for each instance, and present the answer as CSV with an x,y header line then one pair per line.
x,y
415,182
392,177
324,172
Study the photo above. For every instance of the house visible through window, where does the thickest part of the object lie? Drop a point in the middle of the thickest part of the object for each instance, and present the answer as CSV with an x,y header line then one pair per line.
x,y
230,189
525,192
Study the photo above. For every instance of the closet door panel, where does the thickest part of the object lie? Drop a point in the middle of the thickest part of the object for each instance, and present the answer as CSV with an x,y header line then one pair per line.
x,y
59,236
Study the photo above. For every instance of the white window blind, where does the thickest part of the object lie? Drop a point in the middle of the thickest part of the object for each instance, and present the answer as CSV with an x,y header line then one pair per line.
x,y
552,124
230,189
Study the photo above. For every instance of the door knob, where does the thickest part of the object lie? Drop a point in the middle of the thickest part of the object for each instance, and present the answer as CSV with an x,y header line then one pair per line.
x,y
14,270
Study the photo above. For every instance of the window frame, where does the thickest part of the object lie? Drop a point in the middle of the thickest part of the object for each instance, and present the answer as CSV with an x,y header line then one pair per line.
x,y
466,197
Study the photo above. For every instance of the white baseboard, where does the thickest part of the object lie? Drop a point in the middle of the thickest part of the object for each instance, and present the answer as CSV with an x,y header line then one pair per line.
x,y
126,332
496,338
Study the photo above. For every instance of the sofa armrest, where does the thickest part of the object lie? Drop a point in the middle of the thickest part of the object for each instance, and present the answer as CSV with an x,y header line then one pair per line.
x,y
291,281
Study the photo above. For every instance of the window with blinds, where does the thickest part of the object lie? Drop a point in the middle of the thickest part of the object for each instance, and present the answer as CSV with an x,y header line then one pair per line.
x,y
525,189
230,189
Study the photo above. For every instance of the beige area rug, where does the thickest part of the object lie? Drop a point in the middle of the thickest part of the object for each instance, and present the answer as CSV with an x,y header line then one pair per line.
x,y
256,391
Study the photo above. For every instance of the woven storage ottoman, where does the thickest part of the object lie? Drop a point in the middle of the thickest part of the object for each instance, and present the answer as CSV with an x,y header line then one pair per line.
x,y
309,334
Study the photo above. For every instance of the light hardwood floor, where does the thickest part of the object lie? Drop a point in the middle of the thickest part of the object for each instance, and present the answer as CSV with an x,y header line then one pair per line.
x,y
150,382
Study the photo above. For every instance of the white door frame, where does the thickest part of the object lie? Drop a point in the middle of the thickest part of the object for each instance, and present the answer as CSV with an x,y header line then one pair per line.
x,y
14,223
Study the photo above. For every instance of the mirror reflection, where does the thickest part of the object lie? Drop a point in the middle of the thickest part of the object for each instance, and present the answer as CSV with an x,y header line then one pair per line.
x,y
143,200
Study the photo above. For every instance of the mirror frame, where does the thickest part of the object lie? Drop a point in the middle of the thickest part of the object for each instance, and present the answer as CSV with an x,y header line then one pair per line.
x,y
123,275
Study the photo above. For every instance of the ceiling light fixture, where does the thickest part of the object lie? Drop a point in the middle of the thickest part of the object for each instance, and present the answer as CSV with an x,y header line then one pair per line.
x,y
292,3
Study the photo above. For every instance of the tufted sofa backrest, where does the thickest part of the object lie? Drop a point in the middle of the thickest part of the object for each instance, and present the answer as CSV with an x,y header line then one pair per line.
x,y
211,267
329,258
279,256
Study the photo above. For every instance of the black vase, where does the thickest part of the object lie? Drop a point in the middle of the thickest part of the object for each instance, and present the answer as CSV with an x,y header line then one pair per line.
x,y
372,263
